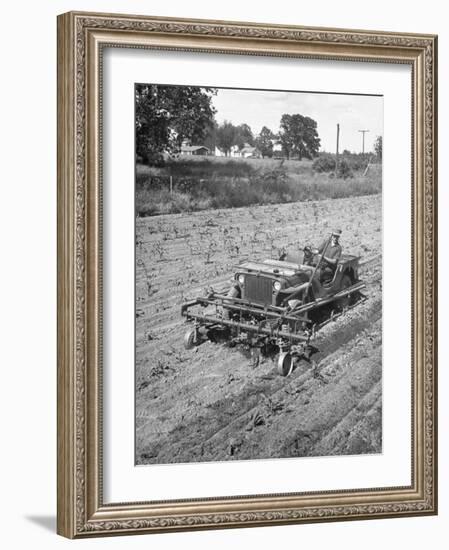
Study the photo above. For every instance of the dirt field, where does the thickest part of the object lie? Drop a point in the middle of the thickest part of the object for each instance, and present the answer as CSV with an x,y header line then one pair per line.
x,y
209,403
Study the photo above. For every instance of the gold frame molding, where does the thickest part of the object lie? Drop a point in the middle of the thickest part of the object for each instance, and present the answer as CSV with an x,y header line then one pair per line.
x,y
81,37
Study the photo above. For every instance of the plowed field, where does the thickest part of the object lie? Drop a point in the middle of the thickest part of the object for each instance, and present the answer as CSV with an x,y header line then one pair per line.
x,y
209,403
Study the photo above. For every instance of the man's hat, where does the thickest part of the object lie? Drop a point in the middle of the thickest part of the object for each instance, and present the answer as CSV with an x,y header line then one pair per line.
x,y
337,232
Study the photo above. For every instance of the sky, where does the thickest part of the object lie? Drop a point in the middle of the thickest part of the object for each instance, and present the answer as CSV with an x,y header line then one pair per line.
x,y
264,108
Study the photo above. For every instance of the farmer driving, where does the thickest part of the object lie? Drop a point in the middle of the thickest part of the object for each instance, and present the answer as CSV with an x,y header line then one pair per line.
x,y
331,252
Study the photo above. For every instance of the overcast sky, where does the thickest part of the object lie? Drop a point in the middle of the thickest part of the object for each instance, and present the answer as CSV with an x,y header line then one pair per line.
x,y
265,108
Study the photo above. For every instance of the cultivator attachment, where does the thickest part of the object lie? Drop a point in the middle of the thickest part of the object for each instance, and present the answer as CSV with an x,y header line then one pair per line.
x,y
245,316
262,329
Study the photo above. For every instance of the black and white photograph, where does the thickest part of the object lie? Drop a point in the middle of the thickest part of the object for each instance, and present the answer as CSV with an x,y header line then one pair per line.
x,y
258,274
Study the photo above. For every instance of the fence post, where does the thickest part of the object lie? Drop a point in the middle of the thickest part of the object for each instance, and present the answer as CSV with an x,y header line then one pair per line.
x,y
171,185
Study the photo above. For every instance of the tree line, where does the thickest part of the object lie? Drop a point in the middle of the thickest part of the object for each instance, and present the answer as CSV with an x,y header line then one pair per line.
x,y
166,116
297,137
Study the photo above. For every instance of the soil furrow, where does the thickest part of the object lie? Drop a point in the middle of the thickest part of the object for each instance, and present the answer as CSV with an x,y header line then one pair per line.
x,y
208,404
230,415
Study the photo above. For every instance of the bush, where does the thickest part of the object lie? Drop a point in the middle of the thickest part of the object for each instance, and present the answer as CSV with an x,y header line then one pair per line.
x,y
324,163
348,163
272,182
344,170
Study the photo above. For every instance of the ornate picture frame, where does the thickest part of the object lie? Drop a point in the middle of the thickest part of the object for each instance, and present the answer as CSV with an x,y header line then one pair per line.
x,y
82,38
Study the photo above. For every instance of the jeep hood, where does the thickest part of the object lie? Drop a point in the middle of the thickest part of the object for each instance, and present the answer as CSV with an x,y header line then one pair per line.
x,y
270,267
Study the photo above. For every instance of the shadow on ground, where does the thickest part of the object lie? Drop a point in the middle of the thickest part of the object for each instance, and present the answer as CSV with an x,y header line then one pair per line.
x,y
46,522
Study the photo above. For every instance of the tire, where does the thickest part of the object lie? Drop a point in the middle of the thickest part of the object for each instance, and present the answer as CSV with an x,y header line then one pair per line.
x,y
190,338
285,363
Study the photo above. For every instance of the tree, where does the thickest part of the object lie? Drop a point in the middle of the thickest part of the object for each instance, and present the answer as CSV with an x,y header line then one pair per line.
x,y
167,115
226,136
210,138
244,135
378,147
264,142
298,136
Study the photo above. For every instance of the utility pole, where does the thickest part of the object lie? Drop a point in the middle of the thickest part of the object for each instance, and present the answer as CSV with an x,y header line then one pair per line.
x,y
336,155
363,132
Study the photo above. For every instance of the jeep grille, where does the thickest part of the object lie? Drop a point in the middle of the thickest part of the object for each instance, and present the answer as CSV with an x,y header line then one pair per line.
x,y
258,289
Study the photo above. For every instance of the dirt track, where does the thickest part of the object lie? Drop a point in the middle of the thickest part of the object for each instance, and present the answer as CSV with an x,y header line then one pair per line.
x,y
208,403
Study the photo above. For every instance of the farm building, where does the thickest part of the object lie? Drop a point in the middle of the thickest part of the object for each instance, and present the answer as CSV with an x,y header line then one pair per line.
x,y
278,153
246,152
250,152
233,152
277,147
194,150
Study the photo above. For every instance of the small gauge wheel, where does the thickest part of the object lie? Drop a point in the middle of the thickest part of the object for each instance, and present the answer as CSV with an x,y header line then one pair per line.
x,y
190,338
285,363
